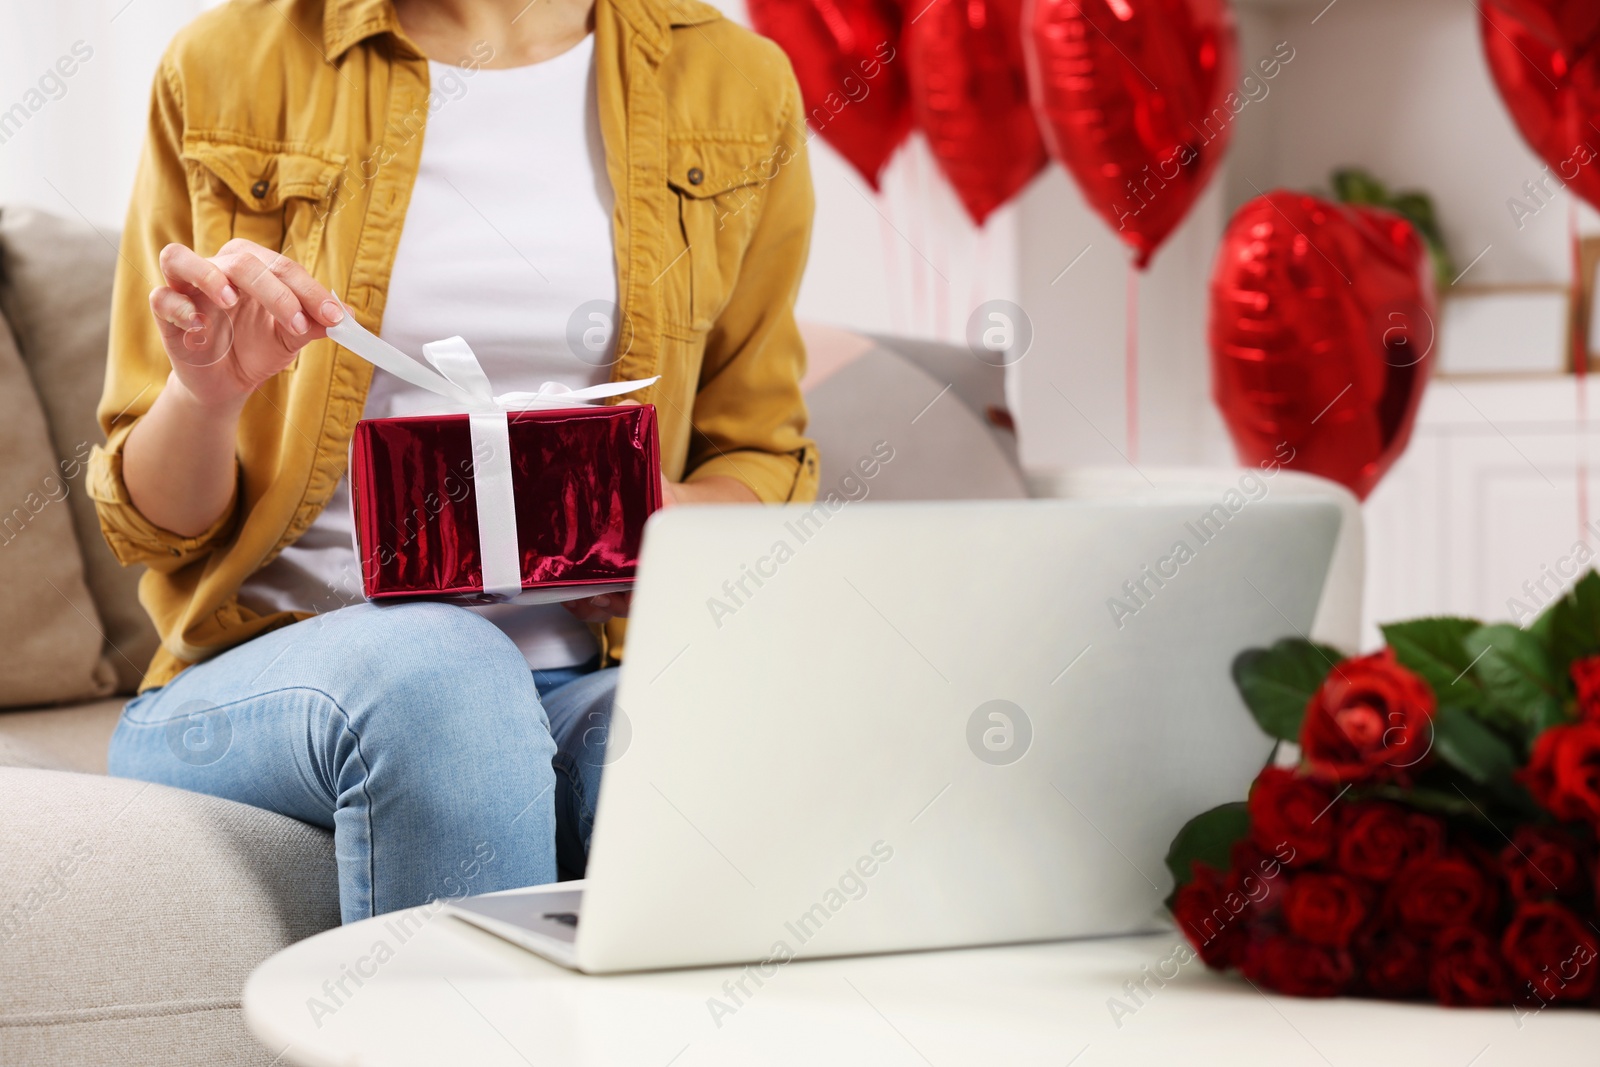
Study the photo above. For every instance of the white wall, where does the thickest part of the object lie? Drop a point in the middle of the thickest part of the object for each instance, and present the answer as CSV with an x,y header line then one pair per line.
x,y
1071,387
1403,89
76,151
907,261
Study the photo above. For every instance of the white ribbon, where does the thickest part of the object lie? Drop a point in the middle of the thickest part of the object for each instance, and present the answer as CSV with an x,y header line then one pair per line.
x,y
457,376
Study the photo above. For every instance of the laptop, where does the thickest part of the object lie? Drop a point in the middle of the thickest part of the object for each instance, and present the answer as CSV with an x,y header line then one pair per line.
x,y
863,727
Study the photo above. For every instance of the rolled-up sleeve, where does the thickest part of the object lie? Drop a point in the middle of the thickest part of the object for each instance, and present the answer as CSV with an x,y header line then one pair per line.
x,y
749,418
136,363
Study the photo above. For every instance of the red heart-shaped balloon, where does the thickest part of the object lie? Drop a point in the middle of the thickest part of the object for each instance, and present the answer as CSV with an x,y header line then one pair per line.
x,y
1322,329
845,55
1134,99
1553,95
969,96
1572,26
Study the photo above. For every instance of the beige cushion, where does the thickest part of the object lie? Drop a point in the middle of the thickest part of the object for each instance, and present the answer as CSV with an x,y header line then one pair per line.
x,y
49,628
131,914
55,288
942,448
70,738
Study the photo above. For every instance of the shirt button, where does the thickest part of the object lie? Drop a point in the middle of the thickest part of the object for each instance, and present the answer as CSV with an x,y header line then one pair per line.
x,y
696,175
259,190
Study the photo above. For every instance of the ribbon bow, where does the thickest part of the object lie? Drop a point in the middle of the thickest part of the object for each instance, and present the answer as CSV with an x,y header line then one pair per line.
x,y
457,375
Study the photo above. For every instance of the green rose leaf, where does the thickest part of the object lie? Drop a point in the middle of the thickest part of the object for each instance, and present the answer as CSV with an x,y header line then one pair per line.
x,y
1436,650
1208,837
1424,798
1353,185
1278,682
1570,628
1525,691
1469,746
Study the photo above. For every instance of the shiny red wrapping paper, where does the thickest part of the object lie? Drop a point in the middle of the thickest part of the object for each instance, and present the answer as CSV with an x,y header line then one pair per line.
x,y
586,479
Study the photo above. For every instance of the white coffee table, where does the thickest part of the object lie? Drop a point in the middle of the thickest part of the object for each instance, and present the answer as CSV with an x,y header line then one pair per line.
x,y
435,992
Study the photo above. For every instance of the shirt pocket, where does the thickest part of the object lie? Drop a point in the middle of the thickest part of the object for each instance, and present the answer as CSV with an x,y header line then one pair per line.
x,y
719,185
274,193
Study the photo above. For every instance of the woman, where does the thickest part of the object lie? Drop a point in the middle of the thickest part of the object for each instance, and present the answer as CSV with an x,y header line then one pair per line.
x,y
509,171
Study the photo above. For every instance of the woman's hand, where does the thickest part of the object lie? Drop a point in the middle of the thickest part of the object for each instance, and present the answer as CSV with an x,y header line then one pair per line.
x,y
234,320
228,324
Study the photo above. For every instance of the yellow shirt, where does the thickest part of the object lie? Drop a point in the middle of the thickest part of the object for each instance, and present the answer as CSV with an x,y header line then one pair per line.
x,y
299,125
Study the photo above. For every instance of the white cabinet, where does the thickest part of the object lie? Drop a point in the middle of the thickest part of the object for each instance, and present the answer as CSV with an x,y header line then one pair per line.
x,y
1480,516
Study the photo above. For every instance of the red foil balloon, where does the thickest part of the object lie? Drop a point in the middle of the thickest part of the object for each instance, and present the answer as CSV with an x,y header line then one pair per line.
x,y
1569,25
1552,91
1134,97
969,96
845,55
1322,329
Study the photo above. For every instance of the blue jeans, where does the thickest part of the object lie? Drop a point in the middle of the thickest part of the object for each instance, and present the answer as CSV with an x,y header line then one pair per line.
x,y
415,732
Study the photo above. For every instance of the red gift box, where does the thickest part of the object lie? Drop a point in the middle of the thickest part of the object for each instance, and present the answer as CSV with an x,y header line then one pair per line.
x,y
522,498
585,480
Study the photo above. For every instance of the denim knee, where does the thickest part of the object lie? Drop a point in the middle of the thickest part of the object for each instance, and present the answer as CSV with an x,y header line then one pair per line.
x,y
438,678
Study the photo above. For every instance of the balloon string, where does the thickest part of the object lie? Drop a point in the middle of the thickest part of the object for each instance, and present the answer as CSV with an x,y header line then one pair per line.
x,y
980,256
941,286
1580,368
918,274
1131,369
891,264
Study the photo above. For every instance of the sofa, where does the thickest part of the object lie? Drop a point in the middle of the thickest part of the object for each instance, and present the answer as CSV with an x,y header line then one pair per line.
x,y
130,914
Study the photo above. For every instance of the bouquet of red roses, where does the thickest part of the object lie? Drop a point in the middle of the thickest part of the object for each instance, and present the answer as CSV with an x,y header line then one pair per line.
x,y
1427,829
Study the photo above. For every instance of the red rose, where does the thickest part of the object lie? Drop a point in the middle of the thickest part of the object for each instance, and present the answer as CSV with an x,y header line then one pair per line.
x,y
1433,892
1371,718
1299,968
1393,966
1324,909
1427,835
1551,952
1257,876
1564,772
1467,970
1289,816
1586,679
1202,909
1374,841
1247,857
1543,861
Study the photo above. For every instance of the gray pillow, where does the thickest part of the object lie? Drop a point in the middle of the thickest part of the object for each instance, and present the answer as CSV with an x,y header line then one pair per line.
x,y
55,289
879,405
49,628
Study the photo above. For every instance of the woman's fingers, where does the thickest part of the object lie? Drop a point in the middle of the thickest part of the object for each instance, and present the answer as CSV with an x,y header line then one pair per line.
x,y
294,342
194,331
295,300
185,269
175,309
254,279
315,299
600,608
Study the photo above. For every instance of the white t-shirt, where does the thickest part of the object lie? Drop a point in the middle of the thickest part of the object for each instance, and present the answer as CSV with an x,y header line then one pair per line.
x,y
507,242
